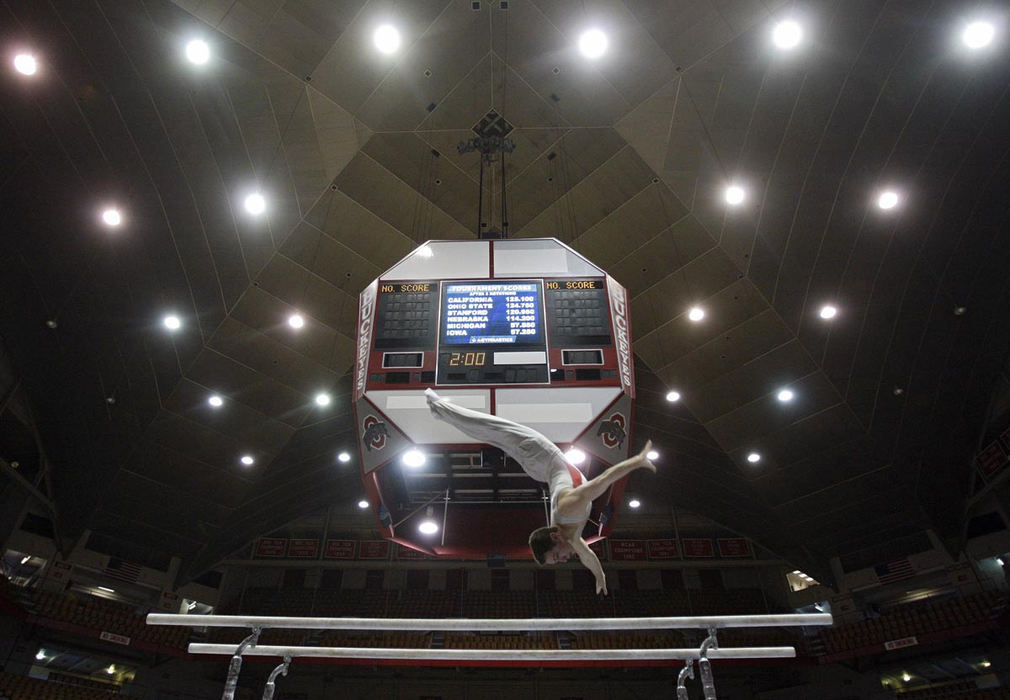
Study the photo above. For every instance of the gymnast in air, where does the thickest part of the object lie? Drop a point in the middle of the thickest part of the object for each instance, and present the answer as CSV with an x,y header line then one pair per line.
x,y
571,494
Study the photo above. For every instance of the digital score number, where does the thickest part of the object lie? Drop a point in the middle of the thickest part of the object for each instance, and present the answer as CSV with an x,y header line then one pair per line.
x,y
467,359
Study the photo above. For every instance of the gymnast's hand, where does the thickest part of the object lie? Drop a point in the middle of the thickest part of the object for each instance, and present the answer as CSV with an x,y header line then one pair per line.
x,y
601,585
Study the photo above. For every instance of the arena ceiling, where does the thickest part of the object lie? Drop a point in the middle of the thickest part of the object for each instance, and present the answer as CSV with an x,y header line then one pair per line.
x,y
625,158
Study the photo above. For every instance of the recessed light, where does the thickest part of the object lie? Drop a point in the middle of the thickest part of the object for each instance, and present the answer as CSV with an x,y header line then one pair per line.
x,y
735,195
785,396
905,677
753,458
255,203
428,527
247,460
887,200
215,401
827,312
322,399
575,456
652,455
172,322
414,458
387,39
634,503
25,64
787,34
978,35
696,314
296,320
40,654
112,217
960,310
593,43
673,396
198,52
52,324
363,504
344,457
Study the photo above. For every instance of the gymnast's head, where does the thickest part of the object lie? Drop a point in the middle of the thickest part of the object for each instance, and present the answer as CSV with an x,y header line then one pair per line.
x,y
549,547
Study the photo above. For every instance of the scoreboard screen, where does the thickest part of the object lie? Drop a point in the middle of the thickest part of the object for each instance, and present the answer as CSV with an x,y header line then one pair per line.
x,y
492,313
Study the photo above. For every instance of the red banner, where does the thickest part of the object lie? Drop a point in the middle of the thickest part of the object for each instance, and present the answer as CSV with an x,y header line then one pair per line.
x,y
991,460
698,548
340,549
663,549
734,547
373,549
271,547
627,550
303,549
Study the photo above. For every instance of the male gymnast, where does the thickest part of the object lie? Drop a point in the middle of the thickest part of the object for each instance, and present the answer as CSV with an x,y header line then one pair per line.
x,y
571,495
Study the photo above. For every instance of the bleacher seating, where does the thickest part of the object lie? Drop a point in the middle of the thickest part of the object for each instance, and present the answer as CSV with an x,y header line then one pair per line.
x,y
958,690
107,616
500,641
25,688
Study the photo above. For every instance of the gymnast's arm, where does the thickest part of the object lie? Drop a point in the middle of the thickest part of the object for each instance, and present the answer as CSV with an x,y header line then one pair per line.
x,y
590,561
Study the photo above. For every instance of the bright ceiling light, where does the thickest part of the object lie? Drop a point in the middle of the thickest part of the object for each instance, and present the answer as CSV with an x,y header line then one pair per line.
x,y
215,401
785,396
106,589
172,322
696,313
362,504
735,195
753,458
344,457
905,677
414,458
827,312
111,669
198,52
40,654
634,503
322,399
296,320
25,64
652,455
255,204
247,460
387,39
428,527
887,200
978,35
787,34
673,396
593,44
25,558
575,456
112,217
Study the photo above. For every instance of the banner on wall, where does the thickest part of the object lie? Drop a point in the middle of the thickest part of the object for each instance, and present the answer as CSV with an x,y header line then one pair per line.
x,y
303,549
273,547
698,548
60,571
991,460
734,547
627,550
663,549
340,549
373,549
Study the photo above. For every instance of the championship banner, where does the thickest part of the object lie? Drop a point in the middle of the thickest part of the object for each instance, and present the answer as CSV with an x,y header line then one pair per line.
x,y
373,549
271,547
303,549
733,547
991,460
339,549
60,571
627,550
663,549
115,638
698,548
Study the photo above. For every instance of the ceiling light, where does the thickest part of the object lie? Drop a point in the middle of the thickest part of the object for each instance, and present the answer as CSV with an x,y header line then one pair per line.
x,y
593,44
106,589
40,654
986,664
362,504
827,312
296,320
753,458
428,527
787,34
247,460
25,558
52,323
673,396
696,314
414,458
322,399
198,52
575,456
112,217
960,310
978,35
735,195
344,457
25,64
905,677
255,204
887,200
387,39
785,396
651,455
111,669
215,401
634,503
172,322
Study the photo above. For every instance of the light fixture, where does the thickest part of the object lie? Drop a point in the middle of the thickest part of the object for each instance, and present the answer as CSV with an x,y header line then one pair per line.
x,y
387,39
785,395
652,455
888,199
978,34
986,664
734,195
575,456
40,654
296,320
322,399
247,460
753,458
827,312
960,310
634,503
344,457
106,589
593,44
52,324
112,217
414,458
673,396
696,313
198,52
787,34
25,558
428,526
25,64
215,401
255,203
111,669
362,504
172,322
905,677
